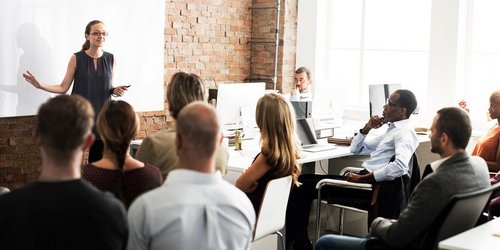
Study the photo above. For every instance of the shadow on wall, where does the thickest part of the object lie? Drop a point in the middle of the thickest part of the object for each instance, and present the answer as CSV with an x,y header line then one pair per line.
x,y
21,98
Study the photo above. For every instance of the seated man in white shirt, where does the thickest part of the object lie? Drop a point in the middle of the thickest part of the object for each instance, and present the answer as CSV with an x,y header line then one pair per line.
x,y
195,208
303,85
456,172
399,143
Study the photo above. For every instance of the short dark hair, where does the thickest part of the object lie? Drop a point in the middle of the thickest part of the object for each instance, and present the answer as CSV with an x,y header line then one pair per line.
x,y
304,69
455,122
407,100
63,123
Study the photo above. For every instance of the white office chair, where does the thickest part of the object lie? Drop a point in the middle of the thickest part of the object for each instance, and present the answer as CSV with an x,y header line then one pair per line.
x,y
343,184
272,212
375,189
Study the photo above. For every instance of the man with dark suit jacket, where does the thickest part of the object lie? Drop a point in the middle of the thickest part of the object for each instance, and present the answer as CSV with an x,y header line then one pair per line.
x,y
456,172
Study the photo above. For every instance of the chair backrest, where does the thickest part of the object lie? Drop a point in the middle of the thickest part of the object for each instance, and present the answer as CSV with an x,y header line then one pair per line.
x,y
389,198
272,212
460,214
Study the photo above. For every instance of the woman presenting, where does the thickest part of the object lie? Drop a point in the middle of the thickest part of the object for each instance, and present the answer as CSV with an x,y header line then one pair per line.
x,y
91,70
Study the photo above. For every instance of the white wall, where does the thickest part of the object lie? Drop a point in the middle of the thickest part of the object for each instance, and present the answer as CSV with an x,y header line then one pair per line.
x,y
42,35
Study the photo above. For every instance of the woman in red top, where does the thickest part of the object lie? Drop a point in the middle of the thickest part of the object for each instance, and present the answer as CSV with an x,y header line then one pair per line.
x,y
117,171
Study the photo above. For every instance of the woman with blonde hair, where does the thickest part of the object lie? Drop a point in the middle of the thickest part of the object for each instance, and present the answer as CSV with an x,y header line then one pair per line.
x,y
280,148
117,171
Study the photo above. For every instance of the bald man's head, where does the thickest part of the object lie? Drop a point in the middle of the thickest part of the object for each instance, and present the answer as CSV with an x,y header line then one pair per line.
x,y
198,131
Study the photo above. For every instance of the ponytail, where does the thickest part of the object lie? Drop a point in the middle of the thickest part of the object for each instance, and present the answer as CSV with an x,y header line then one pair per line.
x,y
86,45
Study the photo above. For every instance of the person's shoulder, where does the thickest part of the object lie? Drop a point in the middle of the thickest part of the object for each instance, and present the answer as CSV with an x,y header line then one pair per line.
x,y
232,192
98,198
152,170
12,198
163,136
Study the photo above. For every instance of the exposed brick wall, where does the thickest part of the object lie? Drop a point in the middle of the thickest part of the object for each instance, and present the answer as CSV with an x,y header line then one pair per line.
x,y
206,37
289,37
263,47
209,38
19,156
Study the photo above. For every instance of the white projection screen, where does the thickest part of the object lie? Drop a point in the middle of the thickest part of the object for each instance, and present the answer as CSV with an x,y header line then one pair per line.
x,y
42,35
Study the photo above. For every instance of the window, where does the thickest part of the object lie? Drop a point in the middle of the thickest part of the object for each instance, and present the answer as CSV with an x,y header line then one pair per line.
x,y
444,51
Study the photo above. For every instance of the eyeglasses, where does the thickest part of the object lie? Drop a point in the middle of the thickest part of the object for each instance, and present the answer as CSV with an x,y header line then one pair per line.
x,y
389,103
99,33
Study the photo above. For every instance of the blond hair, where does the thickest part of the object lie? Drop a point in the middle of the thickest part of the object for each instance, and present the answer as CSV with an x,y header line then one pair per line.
x,y
183,89
495,97
279,142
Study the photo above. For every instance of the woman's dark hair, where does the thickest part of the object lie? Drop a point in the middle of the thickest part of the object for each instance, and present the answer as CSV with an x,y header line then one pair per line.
x,y
117,124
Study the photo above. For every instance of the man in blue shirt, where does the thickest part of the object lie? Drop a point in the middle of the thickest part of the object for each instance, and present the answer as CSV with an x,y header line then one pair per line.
x,y
399,141
390,155
456,172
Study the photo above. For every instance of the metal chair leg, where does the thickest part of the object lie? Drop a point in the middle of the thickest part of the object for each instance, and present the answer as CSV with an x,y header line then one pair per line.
x,y
280,235
341,221
318,214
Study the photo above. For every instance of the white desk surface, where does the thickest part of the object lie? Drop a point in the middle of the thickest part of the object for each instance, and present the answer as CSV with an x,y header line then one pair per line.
x,y
242,159
480,238
239,160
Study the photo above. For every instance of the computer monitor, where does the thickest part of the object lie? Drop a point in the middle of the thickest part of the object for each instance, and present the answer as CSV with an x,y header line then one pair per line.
x,y
302,109
236,104
378,94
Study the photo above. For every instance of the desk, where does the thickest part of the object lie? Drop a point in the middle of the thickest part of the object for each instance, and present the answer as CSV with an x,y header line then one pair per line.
x,y
242,159
480,238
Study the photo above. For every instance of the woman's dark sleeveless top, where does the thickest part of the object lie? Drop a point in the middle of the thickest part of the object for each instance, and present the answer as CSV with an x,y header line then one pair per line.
x,y
258,194
93,84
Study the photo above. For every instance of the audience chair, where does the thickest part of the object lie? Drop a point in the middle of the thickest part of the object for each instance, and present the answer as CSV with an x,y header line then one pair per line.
x,y
4,190
380,200
459,215
339,183
272,211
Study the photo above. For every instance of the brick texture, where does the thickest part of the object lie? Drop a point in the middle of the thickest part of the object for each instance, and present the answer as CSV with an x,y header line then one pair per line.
x,y
206,37
263,43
